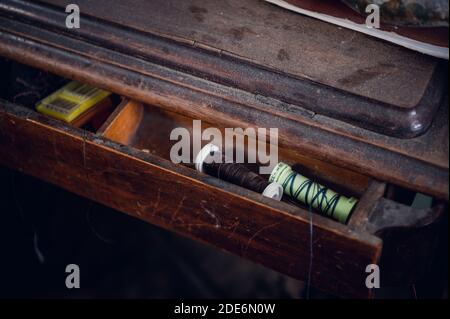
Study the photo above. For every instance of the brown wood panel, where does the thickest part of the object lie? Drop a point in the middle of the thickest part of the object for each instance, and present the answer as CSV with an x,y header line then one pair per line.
x,y
288,42
123,123
366,204
221,66
174,197
431,147
203,100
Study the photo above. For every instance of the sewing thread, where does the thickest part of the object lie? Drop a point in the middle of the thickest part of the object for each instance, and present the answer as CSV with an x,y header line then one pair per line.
x,y
313,194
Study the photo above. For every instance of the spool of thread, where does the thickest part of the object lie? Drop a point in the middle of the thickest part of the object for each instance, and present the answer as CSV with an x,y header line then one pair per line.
x,y
211,161
313,194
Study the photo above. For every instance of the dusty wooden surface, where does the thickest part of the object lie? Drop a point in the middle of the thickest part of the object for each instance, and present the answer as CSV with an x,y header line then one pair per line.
x,y
288,42
411,165
237,71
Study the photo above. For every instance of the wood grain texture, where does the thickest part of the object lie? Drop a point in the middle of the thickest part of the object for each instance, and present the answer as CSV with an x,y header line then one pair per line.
x,y
288,42
173,197
123,123
366,204
411,166
221,66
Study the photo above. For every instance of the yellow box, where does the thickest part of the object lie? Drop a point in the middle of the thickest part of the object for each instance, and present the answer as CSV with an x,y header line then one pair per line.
x,y
72,100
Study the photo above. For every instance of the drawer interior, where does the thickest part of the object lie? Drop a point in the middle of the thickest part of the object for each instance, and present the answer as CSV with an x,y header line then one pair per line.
x,y
26,86
148,128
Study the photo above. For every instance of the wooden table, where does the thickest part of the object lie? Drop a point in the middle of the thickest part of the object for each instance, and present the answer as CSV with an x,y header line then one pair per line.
x,y
367,117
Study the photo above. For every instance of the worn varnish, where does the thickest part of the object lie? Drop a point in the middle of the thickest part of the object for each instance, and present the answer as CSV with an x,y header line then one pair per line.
x,y
300,130
272,233
173,197
274,37
378,106
173,77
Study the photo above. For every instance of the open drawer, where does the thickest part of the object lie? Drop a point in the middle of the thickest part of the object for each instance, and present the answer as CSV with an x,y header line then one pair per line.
x,y
126,165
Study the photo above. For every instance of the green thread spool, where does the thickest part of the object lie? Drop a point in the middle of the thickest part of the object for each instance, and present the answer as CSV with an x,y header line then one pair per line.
x,y
313,194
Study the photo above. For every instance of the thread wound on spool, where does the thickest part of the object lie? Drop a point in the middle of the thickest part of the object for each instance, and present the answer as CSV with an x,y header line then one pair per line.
x,y
205,155
313,194
234,173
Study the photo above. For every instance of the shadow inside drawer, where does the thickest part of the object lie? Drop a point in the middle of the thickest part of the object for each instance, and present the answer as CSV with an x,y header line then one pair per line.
x,y
27,86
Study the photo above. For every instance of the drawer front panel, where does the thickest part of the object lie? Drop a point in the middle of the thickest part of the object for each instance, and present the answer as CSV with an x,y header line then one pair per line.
x,y
179,199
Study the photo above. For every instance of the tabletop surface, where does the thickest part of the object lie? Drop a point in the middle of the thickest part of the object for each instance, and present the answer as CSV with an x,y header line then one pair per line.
x,y
276,38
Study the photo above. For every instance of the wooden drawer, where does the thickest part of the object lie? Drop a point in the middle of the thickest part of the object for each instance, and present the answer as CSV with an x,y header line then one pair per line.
x,y
419,164
125,166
